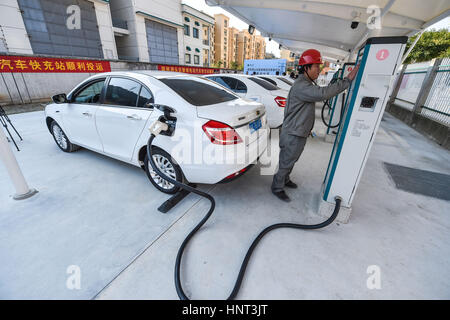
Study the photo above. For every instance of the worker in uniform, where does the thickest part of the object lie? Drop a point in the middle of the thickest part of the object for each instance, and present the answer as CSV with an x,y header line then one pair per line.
x,y
299,116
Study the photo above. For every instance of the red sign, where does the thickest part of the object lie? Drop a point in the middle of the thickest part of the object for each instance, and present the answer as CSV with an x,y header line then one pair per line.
x,y
186,69
53,65
382,54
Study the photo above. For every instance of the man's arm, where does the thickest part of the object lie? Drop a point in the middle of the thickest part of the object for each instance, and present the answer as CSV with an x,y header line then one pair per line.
x,y
315,93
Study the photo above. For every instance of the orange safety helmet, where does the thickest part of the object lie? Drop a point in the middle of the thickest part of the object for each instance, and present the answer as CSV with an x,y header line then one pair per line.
x,y
310,56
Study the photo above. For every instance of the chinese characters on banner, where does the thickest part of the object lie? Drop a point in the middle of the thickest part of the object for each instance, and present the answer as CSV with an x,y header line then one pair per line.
x,y
55,65
184,69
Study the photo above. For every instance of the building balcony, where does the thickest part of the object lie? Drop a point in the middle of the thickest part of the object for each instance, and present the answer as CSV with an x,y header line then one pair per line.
x,y
206,42
122,24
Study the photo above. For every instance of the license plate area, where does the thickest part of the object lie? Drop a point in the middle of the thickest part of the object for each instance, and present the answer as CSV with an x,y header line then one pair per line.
x,y
255,125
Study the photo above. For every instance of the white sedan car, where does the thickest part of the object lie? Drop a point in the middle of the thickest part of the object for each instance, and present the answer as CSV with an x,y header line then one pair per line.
x,y
218,135
257,89
278,81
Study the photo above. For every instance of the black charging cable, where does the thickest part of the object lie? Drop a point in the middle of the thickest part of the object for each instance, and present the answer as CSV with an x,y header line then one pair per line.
x,y
237,285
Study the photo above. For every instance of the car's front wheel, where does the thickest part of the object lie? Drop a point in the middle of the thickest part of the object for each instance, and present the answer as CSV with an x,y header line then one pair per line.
x,y
168,166
61,139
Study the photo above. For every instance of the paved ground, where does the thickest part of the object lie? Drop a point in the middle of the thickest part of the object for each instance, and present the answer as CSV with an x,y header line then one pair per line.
x,y
22,108
100,214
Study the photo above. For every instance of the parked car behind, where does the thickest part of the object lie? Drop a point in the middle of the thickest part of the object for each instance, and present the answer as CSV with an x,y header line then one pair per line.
x,y
278,81
110,113
257,89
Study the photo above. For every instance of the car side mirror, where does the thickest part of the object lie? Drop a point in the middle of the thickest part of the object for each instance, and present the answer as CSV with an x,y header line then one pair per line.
x,y
60,98
149,105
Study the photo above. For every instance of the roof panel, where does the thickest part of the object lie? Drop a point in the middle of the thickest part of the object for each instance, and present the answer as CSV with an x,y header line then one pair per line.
x,y
300,24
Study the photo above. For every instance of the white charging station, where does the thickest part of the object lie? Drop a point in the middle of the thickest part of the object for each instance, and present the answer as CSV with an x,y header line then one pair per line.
x,y
364,107
337,103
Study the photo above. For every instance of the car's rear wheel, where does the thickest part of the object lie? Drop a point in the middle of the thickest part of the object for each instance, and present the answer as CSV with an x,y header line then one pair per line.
x,y
61,139
168,166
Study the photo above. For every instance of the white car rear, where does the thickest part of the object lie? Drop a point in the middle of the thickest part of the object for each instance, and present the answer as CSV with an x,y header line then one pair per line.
x,y
218,135
256,89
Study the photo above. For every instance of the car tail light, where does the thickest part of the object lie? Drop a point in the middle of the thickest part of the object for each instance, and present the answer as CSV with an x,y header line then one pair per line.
x,y
221,133
236,174
281,102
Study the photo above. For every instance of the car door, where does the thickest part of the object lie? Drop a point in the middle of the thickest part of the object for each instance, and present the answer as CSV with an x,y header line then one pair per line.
x,y
122,116
79,116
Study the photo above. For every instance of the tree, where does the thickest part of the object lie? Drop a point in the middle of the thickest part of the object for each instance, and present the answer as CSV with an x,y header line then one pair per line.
x,y
218,64
433,44
234,65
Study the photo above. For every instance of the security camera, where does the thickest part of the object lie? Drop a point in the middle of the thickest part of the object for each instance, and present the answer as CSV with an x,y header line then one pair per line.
x,y
251,29
270,39
279,47
356,18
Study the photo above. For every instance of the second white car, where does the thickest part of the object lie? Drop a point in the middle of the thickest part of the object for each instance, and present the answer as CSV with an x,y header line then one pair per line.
x,y
257,89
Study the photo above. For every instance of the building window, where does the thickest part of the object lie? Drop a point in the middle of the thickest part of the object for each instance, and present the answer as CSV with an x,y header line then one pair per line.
x,y
196,23
195,32
196,59
225,23
187,58
186,30
186,19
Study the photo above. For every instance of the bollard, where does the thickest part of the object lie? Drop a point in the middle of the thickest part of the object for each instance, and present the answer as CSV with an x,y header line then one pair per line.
x,y
8,158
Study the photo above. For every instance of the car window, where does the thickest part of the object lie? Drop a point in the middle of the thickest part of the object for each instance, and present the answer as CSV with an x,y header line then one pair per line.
x,y
122,92
227,82
198,93
240,87
145,97
231,83
90,94
270,80
263,83
285,80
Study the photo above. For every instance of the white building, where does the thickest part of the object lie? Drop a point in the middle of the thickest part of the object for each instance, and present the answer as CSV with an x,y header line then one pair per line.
x,y
198,37
57,27
153,30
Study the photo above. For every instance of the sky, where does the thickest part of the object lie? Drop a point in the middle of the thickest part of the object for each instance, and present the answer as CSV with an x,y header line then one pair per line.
x,y
271,46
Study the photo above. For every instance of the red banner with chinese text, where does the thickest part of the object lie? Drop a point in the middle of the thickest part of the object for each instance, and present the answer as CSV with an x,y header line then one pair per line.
x,y
187,69
54,65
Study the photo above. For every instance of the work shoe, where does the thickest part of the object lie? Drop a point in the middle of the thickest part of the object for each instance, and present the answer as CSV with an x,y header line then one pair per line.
x,y
282,195
291,185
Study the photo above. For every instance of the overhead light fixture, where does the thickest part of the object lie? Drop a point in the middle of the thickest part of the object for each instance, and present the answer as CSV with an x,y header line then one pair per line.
x,y
251,29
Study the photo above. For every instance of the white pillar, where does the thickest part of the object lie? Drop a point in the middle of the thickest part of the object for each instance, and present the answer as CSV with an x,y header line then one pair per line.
x,y
8,158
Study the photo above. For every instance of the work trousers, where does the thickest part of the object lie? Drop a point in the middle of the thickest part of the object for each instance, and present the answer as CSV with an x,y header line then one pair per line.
x,y
291,147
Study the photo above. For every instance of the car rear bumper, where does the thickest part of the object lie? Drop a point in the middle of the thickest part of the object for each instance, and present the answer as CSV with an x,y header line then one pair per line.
x,y
235,159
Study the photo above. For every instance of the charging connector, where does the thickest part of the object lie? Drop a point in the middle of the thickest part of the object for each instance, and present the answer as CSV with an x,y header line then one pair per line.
x,y
157,127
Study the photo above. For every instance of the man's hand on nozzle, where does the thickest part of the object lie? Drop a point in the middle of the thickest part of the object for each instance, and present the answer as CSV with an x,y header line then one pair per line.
x,y
353,73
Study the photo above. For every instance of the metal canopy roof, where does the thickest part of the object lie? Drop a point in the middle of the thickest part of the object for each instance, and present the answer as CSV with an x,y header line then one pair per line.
x,y
325,24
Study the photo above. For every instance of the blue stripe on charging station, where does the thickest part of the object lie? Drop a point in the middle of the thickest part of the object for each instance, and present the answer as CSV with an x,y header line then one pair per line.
x,y
347,120
339,127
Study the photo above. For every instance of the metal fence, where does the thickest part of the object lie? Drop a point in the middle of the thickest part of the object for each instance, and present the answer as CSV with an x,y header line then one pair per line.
x,y
437,105
426,91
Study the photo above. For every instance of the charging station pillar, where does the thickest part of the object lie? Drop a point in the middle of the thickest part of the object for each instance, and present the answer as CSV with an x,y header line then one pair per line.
x,y
365,103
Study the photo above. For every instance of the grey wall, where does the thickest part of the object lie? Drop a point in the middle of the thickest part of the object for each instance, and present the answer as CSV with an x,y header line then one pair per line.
x,y
45,21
